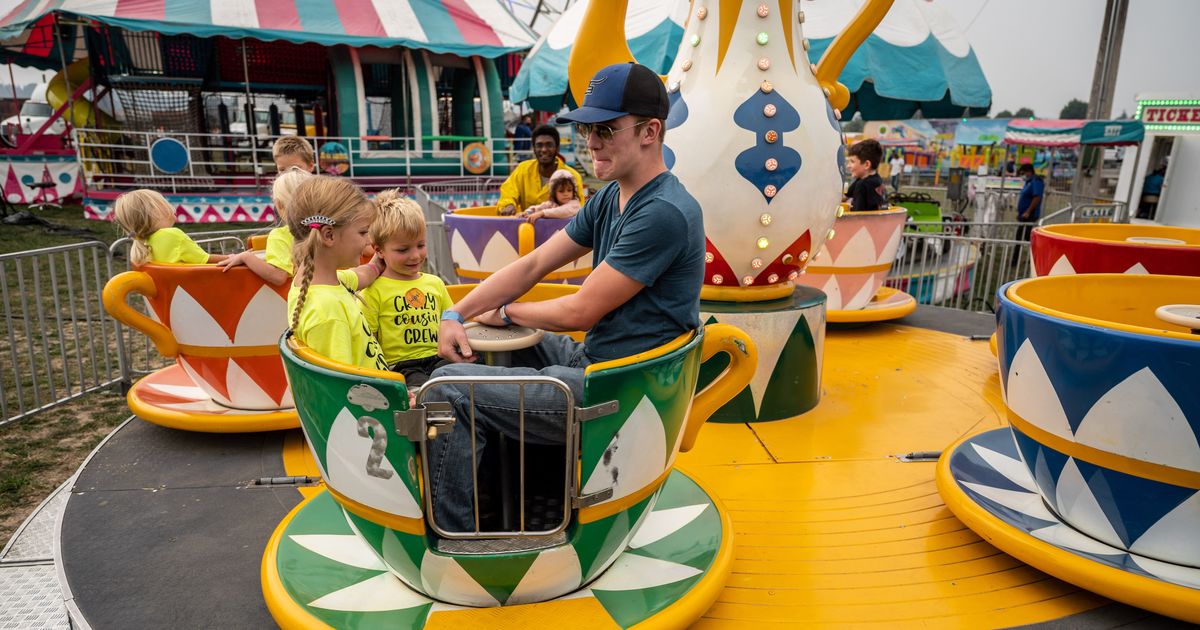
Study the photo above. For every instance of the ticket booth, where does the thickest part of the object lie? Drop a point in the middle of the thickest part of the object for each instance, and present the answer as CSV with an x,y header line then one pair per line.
x,y
1172,148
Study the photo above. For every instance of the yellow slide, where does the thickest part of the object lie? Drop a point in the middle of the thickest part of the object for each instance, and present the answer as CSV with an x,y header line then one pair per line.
x,y
83,113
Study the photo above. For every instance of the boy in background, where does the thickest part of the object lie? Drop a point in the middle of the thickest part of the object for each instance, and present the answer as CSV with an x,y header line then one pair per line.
x,y
293,152
866,192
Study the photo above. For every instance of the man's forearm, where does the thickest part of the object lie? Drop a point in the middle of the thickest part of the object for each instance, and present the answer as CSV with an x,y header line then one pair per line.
x,y
499,289
558,315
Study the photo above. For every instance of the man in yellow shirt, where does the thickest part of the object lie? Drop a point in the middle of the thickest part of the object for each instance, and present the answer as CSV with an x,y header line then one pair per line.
x,y
529,183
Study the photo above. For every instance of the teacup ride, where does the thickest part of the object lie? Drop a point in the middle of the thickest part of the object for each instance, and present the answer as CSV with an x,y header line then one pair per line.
x,y
1113,248
851,266
482,242
1097,479
367,551
222,327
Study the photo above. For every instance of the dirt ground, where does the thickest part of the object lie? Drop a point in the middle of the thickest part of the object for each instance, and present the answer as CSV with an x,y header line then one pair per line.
x,y
39,453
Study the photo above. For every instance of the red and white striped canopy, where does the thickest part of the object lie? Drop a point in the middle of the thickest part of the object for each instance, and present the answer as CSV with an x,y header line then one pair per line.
x,y
461,27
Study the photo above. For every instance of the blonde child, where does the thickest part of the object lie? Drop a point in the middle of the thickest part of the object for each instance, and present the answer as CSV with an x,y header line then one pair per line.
x,y
563,202
149,220
276,266
329,219
404,306
292,152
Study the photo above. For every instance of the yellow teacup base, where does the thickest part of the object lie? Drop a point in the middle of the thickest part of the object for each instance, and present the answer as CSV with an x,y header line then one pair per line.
x,y
171,399
887,304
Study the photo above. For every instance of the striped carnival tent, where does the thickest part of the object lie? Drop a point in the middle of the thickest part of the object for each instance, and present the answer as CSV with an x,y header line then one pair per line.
x,y
1067,133
482,28
653,28
916,60
1044,133
384,90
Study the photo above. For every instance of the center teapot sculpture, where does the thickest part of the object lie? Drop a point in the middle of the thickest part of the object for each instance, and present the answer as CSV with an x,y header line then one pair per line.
x,y
753,131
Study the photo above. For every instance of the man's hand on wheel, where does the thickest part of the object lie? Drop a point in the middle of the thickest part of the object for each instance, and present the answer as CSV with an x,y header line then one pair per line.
x,y
508,210
452,343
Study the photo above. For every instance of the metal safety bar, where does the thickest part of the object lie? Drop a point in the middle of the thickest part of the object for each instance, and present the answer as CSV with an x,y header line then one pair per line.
x,y
427,422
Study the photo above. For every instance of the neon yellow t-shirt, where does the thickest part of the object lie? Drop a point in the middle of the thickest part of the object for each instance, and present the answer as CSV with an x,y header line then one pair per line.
x,y
279,254
405,315
172,245
332,324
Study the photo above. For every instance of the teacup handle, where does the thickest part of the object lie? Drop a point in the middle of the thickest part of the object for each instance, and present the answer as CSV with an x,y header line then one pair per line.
x,y
743,360
838,54
525,239
115,294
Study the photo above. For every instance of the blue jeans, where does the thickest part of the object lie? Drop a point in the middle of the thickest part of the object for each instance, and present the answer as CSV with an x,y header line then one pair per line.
x,y
496,411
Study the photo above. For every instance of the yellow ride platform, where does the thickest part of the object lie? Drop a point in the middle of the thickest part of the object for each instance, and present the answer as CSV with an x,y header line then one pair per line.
x,y
831,528
887,304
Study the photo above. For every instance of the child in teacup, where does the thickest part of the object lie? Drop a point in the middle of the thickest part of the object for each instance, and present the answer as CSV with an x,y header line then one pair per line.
x,y
563,202
329,220
276,266
404,306
148,218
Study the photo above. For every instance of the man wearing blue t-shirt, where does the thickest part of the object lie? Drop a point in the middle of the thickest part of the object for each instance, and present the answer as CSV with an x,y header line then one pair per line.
x,y
646,235
1029,204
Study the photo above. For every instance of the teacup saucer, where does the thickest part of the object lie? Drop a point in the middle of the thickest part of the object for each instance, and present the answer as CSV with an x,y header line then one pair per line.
x,y
984,482
318,572
887,304
170,398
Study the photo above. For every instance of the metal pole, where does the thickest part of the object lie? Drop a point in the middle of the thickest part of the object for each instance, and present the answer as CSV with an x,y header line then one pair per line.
x,y
13,84
62,58
250,118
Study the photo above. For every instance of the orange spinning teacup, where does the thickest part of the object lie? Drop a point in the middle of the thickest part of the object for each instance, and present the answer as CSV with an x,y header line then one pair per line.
x,y
222,327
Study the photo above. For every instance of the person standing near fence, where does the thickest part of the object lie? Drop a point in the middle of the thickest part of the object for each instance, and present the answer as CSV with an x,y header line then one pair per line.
x,y
897,163
1029,204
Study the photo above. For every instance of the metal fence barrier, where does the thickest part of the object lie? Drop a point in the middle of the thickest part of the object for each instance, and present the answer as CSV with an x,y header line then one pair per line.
x,y
956,270
59,336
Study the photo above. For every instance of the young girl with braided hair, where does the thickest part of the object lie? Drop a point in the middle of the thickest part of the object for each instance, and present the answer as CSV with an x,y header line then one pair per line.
x,y
148,218
275,266
329,218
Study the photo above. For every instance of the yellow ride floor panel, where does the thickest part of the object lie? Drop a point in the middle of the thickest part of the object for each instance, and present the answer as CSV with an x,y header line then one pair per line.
x,y
831,529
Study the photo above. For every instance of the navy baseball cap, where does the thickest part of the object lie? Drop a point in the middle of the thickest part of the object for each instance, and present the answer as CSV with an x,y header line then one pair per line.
x,y
620,89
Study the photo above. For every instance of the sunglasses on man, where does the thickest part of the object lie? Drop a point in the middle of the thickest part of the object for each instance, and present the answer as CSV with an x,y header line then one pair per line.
x,y
603,132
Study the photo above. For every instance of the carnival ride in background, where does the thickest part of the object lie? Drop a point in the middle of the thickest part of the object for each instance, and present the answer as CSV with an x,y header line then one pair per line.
x,y
808,496
387,96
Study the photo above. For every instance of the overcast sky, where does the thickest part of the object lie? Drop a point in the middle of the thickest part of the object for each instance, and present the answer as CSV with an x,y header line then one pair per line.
x,y
1041,53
